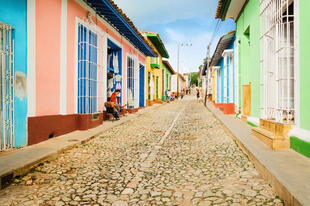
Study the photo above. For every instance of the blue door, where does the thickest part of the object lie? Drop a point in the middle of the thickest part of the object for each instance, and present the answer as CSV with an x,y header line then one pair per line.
x,y
141,86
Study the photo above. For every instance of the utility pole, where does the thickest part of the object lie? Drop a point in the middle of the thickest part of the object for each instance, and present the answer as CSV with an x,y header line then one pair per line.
x,y
178,70
178,66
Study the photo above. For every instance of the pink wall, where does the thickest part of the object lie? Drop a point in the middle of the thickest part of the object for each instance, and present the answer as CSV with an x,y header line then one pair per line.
x,y
48,14
48,24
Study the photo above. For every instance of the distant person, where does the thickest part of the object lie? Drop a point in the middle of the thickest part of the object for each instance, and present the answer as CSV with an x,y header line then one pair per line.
x,y
169,95
182,93
198,94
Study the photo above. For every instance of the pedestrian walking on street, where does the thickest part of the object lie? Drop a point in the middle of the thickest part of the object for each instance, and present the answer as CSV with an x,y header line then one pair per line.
x,y
198,94
182,93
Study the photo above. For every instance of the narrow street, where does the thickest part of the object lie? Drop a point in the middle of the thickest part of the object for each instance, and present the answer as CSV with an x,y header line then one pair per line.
x,y
141,163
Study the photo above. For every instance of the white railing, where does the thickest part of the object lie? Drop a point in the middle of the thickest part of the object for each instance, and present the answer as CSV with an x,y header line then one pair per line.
x,y
7,87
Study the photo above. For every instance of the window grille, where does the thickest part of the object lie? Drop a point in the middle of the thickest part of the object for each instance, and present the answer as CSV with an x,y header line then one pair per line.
x,y
7,87
130,83
277,60
87,70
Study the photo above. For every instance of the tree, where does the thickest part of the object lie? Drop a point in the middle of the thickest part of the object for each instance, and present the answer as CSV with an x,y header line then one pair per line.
x,y
194,78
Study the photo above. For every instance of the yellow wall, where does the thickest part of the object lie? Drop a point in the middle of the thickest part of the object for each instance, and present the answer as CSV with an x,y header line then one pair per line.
x,y
156,73
213,85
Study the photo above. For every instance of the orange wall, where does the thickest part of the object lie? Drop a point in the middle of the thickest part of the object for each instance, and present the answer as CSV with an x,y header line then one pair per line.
x,y
47,56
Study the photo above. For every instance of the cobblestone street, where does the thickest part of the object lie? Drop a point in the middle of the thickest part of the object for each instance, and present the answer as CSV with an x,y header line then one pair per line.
x,y
176,154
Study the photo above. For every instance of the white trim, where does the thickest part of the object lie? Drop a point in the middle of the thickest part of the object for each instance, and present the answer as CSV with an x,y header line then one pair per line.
x,y
31,57
227,52
300,134
297,63
76,63
114,40
253,120
63,58
104,65
92,11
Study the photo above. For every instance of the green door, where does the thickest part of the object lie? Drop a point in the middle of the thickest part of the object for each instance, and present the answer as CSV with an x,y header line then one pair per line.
x,y
157,82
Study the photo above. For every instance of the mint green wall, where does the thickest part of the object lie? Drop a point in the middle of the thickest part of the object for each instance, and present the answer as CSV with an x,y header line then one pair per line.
x,y
304,63
249,55
167,71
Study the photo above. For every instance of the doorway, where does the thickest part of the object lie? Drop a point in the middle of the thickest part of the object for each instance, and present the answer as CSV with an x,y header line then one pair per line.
x,y
114,70
141,85
246,91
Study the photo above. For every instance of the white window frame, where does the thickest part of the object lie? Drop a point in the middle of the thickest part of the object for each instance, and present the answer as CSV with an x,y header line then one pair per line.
x,y
90,27
278,63
133,80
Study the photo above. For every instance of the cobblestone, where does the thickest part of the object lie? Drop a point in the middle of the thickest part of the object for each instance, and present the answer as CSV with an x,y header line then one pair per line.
x,y
197,164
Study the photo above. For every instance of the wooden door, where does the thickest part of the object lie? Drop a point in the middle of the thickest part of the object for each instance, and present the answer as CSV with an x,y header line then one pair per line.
x,y
246,92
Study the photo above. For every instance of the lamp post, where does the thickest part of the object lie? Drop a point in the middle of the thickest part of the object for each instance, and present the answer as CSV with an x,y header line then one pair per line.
x,y
182,45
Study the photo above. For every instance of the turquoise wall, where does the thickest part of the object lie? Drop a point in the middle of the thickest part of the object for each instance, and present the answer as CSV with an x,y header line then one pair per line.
x,y
304,43
249,53
14,13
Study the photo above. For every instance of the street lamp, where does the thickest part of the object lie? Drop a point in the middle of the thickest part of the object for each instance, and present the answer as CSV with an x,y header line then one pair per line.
x,y
180,45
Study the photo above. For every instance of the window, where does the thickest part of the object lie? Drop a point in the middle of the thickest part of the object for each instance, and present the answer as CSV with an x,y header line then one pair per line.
x,y
87,70
130,83
6,87
277,60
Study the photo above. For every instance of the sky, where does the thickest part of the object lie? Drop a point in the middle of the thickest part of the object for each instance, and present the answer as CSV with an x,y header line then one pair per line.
x,y
179,21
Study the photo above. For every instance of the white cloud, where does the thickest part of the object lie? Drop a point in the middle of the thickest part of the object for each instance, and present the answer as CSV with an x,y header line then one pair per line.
x,y
144,12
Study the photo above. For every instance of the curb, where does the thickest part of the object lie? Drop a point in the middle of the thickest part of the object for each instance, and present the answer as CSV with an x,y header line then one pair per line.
x,y
278,187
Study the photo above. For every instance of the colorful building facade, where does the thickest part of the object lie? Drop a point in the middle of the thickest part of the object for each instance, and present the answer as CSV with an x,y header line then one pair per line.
x,y
155,70
272,40
225,74
69,56
167,76
13,69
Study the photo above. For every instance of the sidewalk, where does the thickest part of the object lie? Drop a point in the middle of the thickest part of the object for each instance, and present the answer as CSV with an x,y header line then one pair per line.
x,y
287,171
19,162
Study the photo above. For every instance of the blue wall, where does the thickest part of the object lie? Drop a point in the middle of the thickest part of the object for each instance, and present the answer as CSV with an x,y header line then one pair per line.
x,y
221,64
14,13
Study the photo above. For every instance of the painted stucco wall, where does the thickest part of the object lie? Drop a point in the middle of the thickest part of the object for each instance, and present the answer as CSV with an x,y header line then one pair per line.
x,y
48,21
249,54
304,68
19,22
48,45
157,72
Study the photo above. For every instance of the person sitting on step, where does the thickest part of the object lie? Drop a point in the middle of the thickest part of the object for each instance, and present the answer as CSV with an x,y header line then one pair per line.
x,y
110,108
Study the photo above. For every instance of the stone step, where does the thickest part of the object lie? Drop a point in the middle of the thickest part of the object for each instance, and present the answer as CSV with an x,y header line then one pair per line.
x,y
279,129
273,141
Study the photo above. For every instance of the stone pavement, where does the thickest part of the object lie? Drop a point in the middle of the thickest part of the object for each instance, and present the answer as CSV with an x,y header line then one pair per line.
x,y
286,170
177,154
20,161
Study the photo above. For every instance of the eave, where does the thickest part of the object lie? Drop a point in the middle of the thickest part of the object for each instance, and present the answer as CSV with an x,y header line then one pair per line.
x,y
108,10
229,9
168,66
157,66
158,44
223,44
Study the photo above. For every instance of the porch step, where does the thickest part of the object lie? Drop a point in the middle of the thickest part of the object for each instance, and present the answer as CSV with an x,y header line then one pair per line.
x,y
279,129
273,141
